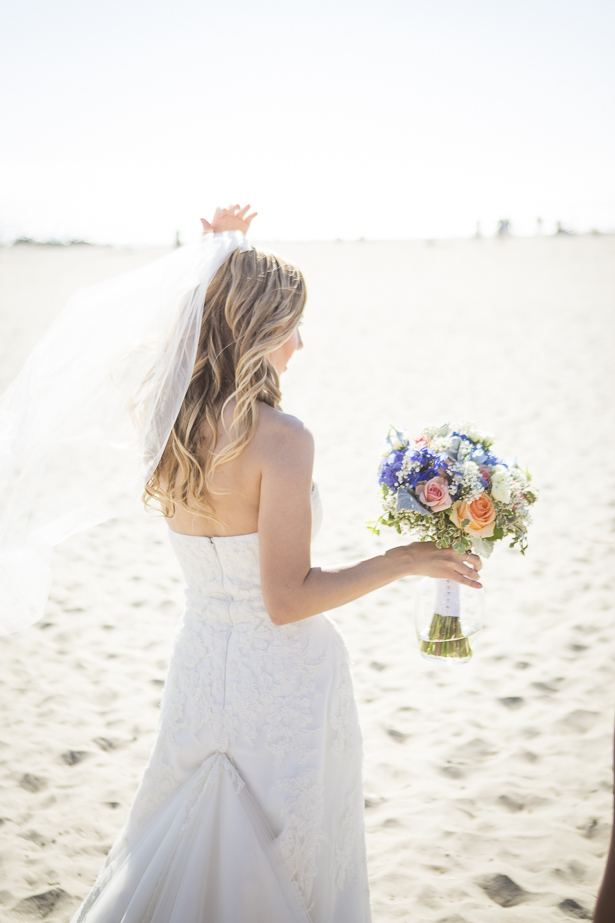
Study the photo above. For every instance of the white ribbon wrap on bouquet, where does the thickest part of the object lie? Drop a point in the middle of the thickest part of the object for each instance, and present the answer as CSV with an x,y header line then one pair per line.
x,y
85,422
447,602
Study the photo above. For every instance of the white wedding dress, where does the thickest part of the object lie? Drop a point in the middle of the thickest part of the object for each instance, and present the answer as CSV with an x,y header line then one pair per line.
x,y
250,809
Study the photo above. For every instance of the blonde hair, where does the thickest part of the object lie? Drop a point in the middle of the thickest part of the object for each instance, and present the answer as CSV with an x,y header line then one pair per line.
x,y
252,305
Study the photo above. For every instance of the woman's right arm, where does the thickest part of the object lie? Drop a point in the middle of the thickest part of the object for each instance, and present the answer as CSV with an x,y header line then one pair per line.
x,y
292,588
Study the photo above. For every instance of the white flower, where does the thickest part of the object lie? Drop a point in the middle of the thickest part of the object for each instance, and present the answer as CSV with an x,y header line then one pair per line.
x,y
395,441
500,484
472,432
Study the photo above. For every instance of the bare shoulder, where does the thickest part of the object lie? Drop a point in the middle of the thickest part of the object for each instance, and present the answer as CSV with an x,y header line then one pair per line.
x,y
281,438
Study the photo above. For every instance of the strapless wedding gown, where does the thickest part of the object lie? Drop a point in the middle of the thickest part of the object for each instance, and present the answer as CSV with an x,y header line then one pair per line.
x,y
250,809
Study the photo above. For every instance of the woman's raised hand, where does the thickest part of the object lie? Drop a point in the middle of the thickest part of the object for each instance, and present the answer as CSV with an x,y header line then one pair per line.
x,y
232,218
430,561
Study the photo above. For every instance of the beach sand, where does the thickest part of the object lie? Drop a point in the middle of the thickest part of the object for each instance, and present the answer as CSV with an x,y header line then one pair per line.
x,y
488,786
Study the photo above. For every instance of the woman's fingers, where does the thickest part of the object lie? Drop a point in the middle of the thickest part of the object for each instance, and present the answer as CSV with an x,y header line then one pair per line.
x,y
446,563
467,581
467,567
467,574
232,218
466,557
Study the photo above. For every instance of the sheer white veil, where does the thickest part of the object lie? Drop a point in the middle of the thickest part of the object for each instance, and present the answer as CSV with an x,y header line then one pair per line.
x,y
88,417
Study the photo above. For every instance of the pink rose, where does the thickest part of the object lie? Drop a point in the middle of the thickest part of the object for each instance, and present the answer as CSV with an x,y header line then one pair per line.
x,y
434,493
485,472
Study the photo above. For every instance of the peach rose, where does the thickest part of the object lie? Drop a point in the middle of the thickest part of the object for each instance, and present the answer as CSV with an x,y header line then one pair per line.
x,y
434,493
480,512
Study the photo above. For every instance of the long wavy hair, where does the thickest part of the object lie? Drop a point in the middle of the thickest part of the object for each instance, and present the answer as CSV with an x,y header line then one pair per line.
x,y
252,305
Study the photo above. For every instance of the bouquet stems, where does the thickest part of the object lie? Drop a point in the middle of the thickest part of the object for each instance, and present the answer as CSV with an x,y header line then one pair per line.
x,y
446,639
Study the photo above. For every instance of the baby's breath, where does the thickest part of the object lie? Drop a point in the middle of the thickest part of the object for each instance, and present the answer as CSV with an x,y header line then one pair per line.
x,y
457,464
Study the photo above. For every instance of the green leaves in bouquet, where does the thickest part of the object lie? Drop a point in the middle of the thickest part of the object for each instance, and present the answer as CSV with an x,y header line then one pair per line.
x,y
462,545
506,525
447,535
520,539
387,519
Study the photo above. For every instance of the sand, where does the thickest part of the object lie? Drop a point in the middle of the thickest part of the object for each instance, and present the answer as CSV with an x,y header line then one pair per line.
x,y
488,786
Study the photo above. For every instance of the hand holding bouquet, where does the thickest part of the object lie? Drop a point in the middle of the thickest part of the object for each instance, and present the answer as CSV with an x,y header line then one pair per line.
x,y
449,487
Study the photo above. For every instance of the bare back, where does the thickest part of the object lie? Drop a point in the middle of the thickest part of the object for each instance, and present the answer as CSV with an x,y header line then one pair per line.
x,y
237,506
266,490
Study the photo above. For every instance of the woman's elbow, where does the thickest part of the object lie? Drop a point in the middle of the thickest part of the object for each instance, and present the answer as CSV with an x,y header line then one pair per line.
x,y
280,615
282,611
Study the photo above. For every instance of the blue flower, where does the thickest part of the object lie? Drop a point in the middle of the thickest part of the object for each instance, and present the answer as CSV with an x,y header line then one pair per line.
x,y
390,467
479,454
427,464
387,476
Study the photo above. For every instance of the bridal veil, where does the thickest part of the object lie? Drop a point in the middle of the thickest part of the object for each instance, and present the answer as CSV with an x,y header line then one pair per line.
x,y
85,422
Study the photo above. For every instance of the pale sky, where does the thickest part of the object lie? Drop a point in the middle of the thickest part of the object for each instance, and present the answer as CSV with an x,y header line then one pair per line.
x,y
125,120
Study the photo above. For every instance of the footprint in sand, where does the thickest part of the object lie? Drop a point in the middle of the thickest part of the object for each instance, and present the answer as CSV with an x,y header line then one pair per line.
x,y
574,910
511,804
473,750
34,837
72,757
105,743
512,701
39,906
574,870
545,688
397,735
578,722
593,828
503,890
453,772
32,783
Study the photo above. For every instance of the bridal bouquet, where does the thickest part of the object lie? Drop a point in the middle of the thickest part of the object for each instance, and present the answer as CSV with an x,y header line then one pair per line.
x,y
448,486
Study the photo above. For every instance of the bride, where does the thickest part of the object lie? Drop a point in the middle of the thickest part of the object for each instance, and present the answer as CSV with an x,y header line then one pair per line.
x,y
250,809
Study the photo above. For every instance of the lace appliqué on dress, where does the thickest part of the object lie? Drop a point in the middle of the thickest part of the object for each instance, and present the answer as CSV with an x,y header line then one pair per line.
x,y
287,728
230,677
346,870
343,718
301,841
